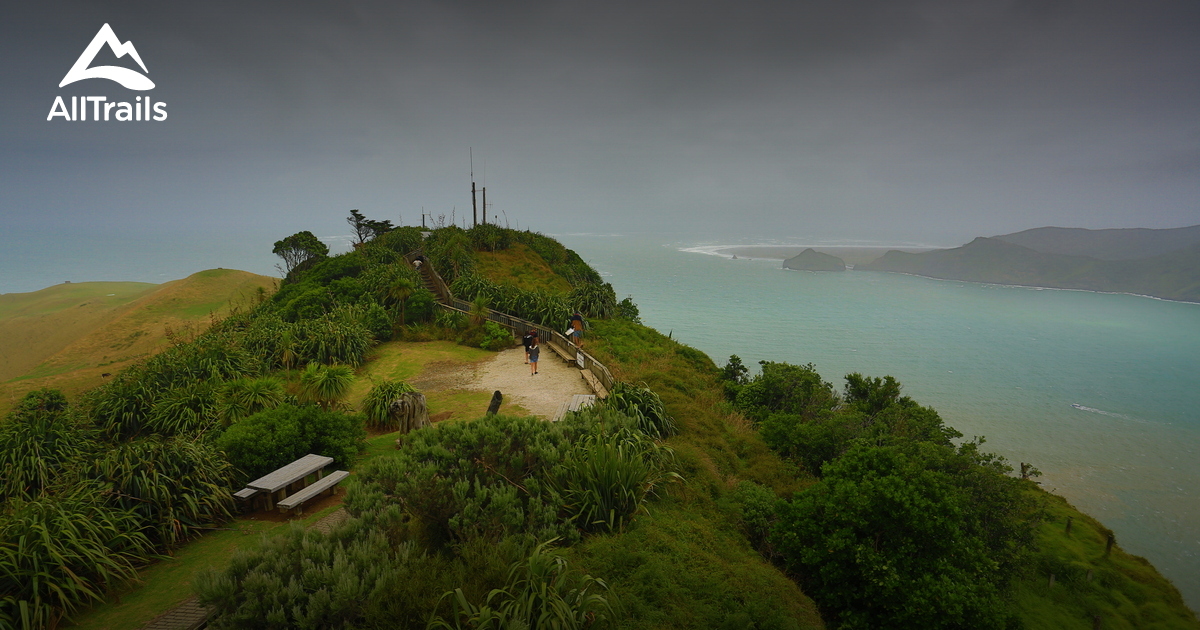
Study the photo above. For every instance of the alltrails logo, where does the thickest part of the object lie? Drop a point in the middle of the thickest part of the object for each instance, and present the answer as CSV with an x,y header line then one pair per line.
x,y
102,108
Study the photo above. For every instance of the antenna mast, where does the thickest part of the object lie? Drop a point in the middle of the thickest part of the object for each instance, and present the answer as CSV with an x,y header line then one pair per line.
x,y
474,208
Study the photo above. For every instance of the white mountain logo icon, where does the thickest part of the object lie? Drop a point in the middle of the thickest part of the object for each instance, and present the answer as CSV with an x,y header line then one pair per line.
x,y
126,77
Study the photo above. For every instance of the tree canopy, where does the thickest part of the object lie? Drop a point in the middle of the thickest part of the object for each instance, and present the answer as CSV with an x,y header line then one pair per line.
x,y
298,248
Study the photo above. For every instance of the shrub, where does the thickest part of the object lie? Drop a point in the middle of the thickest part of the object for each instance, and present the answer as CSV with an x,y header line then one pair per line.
x,y
488,237
914,535
186,410
419,306
401,240
377,406
594,300
245,397
542,592
269,439
608,477
481,479
645,407
339,337
304,579
787,388
174,486
627,309
756,507
39,441
325,384
495,337
58,552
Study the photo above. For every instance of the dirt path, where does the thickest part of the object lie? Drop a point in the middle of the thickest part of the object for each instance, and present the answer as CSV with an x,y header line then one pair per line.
x,y
555,382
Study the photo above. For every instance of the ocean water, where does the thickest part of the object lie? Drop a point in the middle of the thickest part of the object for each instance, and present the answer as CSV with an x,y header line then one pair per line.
x,y
1007,363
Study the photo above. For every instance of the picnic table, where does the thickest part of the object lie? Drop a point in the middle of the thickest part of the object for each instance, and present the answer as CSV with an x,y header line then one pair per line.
x,y
281,481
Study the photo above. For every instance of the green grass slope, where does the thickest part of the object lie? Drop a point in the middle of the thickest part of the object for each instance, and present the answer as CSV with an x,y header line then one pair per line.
x,y
67,336
34,326
1120,589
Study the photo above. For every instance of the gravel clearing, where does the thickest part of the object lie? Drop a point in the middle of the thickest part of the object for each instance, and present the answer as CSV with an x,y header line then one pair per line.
x,y
555,382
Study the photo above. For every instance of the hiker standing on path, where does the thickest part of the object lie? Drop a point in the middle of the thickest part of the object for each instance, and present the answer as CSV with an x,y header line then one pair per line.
x,y
577,329
534,349
530,335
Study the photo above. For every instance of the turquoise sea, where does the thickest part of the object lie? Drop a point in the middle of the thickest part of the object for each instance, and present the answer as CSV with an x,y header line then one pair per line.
x,y
1002,362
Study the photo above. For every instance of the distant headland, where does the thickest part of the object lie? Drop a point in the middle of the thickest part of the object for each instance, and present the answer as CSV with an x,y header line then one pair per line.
x,y
1157,263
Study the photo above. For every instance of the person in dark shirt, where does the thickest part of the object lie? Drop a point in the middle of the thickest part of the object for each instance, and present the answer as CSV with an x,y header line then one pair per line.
x,y
530,335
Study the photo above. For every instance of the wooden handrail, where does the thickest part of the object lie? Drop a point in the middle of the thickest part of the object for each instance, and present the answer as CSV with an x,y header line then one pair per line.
x,y
557,341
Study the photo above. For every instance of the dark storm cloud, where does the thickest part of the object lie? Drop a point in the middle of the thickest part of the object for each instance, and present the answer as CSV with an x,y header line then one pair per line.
x,y
929,121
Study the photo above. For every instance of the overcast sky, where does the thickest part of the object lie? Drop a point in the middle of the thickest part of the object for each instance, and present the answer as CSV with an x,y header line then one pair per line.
x,y
892,121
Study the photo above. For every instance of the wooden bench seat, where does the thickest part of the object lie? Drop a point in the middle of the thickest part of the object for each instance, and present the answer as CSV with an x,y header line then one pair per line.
x,y
246,493
296,500
574,403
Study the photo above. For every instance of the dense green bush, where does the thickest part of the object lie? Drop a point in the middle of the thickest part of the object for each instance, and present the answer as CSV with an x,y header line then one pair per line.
x,y
174,486
787,388
873,410
495,337
190,409
39,442
269,439
183,378
756,506
57,552
481,479
353,577
325,385
450,251
248,396
542,592
488,237
912,535
419,306
627,309
607,478
337,337
377,404
644,406
594,300
538,306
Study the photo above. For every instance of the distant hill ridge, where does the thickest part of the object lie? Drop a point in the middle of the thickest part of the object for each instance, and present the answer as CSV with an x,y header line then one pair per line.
x,y
1114,244
1158,263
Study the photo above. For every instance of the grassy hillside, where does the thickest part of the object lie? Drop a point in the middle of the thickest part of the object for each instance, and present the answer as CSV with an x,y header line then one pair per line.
x,y
519,266
34,326
67,336
1122,590
1174,276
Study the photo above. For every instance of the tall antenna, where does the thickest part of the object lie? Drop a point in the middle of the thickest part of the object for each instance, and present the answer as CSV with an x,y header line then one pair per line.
x,y
474,208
